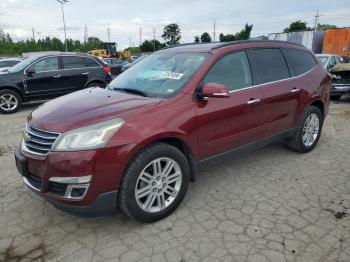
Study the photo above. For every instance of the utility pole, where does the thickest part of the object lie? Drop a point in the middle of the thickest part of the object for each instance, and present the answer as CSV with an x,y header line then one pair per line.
x,y
140,35
108,34
39,40
214,32
33,34
85,34
154,39
62,2
130,42
317,21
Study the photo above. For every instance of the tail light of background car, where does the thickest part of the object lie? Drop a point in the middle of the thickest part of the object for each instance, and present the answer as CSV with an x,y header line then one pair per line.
x,y
107,70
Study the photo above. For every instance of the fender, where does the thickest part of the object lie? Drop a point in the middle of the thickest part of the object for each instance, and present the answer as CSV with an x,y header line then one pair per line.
x,y
14,88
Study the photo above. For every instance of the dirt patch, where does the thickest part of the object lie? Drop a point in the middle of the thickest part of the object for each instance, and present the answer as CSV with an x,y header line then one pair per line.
x,y
5,150
35,253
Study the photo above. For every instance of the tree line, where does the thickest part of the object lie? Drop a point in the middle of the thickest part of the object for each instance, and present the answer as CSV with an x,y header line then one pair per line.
x,y
171,36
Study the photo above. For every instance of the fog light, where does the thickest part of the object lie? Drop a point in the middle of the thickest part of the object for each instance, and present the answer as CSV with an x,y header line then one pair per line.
x,y
76,191
71,180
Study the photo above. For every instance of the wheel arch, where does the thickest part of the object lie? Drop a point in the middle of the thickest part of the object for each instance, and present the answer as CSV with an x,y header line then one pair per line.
x,y
95,81
15,89
172,140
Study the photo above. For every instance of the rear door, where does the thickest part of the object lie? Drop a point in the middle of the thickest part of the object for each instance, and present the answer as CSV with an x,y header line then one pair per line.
x,y
227,123
75,74
279,93
46,80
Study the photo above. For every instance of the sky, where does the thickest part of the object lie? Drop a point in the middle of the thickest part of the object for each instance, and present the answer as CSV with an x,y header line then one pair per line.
x,y
124,18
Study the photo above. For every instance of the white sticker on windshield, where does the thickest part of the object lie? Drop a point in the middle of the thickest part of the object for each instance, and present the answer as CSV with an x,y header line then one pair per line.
x,y
171,75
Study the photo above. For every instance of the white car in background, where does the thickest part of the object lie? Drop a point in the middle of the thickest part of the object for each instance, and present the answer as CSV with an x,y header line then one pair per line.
x,y
329,60
8,63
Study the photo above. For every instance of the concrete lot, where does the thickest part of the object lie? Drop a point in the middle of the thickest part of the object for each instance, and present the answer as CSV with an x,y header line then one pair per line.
x,y
268,205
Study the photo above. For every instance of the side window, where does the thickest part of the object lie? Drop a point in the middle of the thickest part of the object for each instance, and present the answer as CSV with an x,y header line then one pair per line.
x,y
47,64
332,61
300,61
268,65
233,71
70,62
89,62
337,60
12,63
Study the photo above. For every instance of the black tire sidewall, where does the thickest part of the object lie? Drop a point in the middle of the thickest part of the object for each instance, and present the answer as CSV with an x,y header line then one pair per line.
x,y
311,110
18,97
128,201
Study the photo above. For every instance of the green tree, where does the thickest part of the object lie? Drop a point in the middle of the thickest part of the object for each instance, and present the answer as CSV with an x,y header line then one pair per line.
x,y
325,26
196,39
244,34
205,37
133,50
172,34
150,45
296,27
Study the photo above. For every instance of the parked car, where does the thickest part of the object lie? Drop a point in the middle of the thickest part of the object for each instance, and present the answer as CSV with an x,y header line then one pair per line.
x,y
127,66
49,76
115,65
328,60
137,144
8,63
340,80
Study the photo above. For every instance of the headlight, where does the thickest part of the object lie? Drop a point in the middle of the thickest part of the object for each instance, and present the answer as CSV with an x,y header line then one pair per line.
x,y
88,137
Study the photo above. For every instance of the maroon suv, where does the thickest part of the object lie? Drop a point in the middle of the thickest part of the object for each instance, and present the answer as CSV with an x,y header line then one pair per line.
x,y
138,143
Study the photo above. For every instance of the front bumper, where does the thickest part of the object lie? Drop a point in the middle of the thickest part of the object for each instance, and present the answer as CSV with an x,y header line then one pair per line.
x,y
105,166
340,89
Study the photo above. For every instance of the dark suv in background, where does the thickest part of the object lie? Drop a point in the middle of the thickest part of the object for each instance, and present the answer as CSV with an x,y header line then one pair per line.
x,y
50,76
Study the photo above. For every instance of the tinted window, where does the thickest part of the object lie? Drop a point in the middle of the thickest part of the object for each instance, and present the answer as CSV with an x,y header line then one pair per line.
x,y
3,64
233,71
268,65
47,64
300,61
73,62
89,62
12,63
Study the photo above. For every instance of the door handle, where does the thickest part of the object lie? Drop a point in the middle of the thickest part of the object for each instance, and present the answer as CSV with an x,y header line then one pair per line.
x,y
57,76
85,73
253,101
295,90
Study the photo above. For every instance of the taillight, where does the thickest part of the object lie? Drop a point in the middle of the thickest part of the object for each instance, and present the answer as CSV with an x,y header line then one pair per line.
x,y
107,70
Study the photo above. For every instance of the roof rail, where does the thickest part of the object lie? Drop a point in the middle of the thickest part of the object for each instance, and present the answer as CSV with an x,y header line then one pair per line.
x,y
253,41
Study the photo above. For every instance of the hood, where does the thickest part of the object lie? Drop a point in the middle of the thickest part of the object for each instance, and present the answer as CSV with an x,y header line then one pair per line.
x,y
341,67
87,107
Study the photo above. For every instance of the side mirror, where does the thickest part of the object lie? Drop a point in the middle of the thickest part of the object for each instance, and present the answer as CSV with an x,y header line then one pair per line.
x,y
215,90
30,71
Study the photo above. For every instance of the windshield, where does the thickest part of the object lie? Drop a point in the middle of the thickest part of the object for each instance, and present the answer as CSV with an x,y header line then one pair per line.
x,y
323,59
22,65
159,75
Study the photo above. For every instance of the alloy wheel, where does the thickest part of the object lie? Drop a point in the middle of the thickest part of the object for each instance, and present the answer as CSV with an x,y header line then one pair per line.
x,y
311,130
8,102
158,185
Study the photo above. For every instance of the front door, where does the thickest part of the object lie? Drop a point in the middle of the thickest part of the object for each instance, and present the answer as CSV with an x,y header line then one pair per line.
x,y
228,123
44,81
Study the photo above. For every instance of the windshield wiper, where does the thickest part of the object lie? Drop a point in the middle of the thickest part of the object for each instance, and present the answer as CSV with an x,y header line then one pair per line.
x,y
132,90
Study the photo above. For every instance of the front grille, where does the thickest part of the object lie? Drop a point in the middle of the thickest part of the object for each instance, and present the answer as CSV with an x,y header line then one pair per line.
x,y
35,181
57,188
39,141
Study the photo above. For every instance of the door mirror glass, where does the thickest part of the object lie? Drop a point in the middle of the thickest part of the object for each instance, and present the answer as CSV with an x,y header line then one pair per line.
x,y
215,90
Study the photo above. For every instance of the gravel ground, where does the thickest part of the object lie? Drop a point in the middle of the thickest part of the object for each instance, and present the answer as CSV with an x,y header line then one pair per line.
x,y
268,205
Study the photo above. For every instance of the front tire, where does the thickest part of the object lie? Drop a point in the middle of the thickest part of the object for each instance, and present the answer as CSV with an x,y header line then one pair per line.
x,y
155,183
10,101
309,131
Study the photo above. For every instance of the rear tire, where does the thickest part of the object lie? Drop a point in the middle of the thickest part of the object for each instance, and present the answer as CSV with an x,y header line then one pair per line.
x,y
155,183
309,131
336,97
10,101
